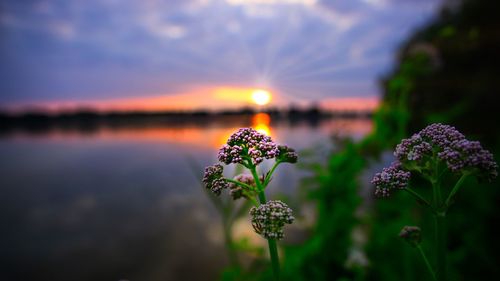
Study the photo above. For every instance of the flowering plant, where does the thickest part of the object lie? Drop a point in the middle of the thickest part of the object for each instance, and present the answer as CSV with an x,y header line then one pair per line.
x,y
249,148
431,153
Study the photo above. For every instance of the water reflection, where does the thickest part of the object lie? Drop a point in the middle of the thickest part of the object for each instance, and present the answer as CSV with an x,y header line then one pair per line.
x,y
193,132
120,201
262,122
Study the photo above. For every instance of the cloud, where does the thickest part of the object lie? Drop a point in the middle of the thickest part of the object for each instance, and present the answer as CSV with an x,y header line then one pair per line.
x,y
271,2
105,49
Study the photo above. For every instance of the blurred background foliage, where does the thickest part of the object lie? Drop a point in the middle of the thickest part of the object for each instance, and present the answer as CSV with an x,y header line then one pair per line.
x,y
447,72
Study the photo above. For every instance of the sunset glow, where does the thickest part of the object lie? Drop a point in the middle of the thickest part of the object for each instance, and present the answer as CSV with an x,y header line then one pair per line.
x,y
209,98
189,59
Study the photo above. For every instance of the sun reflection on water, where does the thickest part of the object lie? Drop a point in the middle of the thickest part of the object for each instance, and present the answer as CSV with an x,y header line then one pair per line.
x,y
261,122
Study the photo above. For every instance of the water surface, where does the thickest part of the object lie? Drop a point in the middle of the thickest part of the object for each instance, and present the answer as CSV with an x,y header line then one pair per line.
x,y
124,203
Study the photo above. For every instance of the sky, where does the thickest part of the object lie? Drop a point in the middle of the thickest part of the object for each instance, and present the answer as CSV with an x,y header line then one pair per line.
x,y
192,54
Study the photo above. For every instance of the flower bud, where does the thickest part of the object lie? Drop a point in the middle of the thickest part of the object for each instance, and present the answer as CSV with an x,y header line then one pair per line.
x,y
287,154
411,234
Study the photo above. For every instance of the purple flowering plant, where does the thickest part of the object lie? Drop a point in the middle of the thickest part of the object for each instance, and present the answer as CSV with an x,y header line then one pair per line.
x,y
249,148
433,152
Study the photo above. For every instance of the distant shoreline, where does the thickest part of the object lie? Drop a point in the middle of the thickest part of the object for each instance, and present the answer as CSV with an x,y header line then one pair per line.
x,y
188,116
39,122
90,113
84,112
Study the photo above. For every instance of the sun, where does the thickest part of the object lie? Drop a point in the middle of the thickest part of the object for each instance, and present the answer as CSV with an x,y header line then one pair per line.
x,y
261,97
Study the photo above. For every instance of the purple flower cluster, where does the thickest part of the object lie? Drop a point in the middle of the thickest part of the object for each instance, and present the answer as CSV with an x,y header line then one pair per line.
x,y
287,154
438,142
269,219
236,190
422,145
247,143
214,179
464,155
393,177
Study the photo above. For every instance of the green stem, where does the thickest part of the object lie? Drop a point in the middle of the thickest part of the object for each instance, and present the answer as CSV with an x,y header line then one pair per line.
x,y
273,249
455,189
440,232
419,198
270,173
258,184
254,202
427,263
249,187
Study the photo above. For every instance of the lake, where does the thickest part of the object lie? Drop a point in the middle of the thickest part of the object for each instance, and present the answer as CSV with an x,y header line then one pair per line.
x,y
125,202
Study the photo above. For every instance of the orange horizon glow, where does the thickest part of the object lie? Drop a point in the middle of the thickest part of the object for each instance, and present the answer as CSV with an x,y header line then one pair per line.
x,y
209,98
214,98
